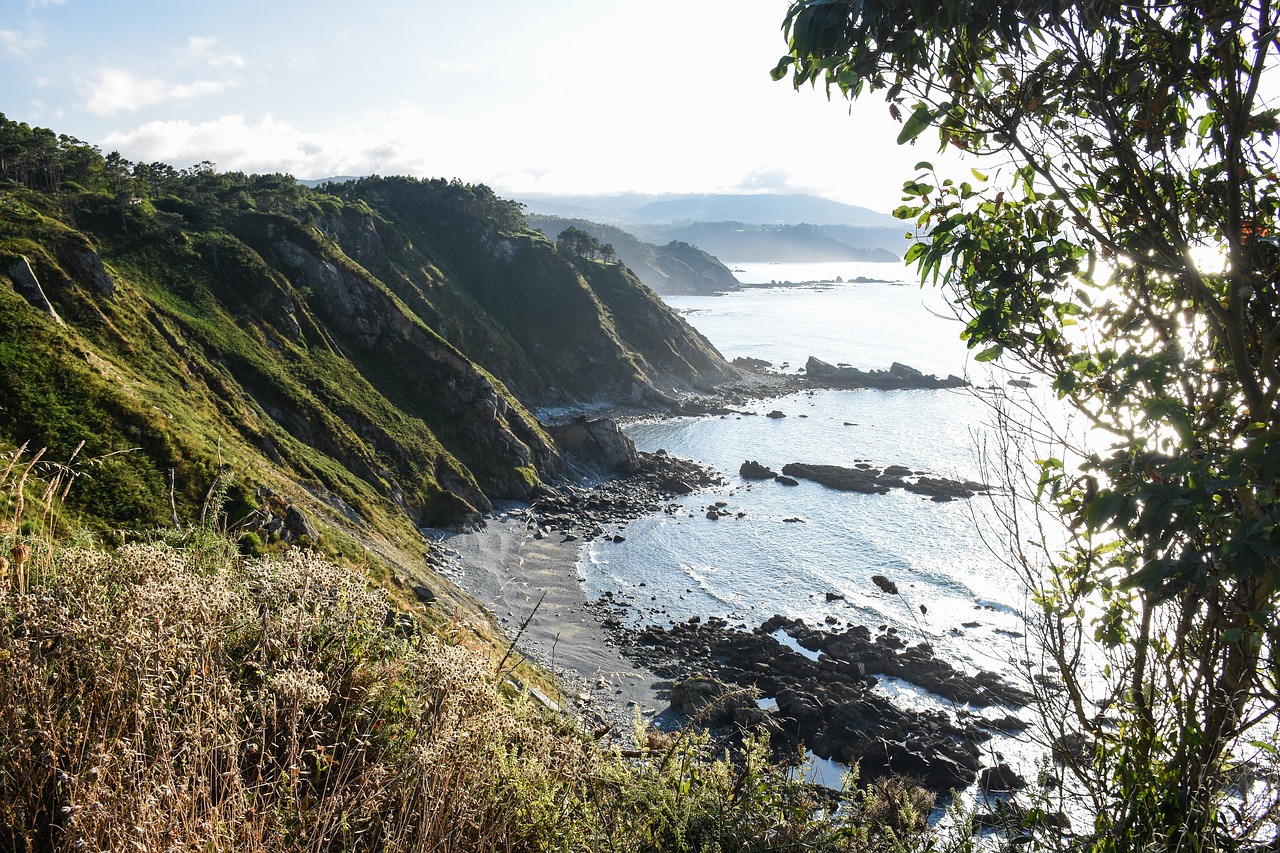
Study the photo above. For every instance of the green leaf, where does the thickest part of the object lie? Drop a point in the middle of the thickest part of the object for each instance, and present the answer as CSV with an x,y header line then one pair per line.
x,y
1104,508
915,124
913,253
924,166
991,353
979,175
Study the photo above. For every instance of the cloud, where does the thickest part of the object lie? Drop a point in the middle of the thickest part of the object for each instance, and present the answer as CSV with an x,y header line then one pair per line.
x,y
765,178
451,67
116,91
404,140
17,43
202,47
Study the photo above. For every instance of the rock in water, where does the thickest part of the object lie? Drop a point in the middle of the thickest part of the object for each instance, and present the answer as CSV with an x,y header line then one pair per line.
x,y
752,470
886,585
1001,779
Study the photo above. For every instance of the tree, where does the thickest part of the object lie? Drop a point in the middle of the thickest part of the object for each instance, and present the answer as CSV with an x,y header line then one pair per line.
x,y
574,241
1124,248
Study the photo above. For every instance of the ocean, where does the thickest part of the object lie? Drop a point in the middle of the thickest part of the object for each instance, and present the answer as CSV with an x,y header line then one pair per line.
x,y
809,551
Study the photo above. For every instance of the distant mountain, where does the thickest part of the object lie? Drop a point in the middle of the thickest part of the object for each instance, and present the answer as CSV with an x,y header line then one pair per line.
x,y
753,209
738,242
740,227
673,268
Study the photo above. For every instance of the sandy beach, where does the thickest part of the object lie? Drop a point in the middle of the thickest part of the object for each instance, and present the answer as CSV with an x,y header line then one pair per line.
x,y
520,577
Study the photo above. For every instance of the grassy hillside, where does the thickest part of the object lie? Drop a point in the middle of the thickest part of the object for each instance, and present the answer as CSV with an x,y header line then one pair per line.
x,y
366,351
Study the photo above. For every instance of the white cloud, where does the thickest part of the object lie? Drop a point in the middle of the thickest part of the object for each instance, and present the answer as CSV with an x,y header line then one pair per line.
x,y
116,91
771,178
202,47
17,43
451,67
385,144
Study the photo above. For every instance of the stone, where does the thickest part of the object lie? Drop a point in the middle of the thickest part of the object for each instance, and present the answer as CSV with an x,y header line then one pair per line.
x,y
599,443
1001,779
752,470
887,586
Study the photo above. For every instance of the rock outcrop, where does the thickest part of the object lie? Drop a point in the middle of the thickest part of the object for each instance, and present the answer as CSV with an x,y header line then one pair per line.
x,y
752,470
899,377
825,699
599,444
867,479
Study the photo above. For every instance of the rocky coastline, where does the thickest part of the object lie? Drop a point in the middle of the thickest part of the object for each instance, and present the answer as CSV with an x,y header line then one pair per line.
x,y
815,688
803,685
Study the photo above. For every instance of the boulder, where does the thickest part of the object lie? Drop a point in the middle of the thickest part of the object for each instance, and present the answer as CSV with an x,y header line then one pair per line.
x,y
713,701
1001,779
599,443
752,470
886,586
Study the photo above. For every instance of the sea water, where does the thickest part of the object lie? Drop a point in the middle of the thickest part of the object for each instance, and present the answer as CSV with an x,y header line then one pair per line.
x,y
807,551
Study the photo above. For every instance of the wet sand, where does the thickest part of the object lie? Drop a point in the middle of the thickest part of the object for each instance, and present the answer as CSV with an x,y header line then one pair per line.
x,y
531,587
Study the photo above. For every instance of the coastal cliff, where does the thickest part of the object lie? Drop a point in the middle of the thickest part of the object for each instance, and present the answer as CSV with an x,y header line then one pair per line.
x,y
369,351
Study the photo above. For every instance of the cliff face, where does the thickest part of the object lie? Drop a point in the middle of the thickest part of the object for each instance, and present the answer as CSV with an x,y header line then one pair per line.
x,y
368,350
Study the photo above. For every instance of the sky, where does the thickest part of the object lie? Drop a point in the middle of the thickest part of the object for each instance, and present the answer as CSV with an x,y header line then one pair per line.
x,y
527,96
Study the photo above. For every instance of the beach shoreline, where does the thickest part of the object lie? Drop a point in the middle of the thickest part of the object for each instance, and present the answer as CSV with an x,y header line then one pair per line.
x,y
528,580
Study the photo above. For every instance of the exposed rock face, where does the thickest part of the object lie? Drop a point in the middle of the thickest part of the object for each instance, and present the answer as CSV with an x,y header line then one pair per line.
x,y
29,286
600,444
899,377
87,268
360,310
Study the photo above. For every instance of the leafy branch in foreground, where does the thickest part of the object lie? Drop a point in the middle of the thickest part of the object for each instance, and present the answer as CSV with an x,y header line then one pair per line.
x,y
1125,248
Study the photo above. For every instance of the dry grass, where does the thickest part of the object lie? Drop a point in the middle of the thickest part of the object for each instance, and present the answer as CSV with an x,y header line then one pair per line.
x,y
158,698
